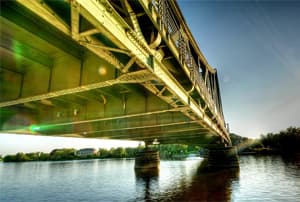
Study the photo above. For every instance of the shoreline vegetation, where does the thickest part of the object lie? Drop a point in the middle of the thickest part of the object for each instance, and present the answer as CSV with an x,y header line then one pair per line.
x,y
285,142
166,152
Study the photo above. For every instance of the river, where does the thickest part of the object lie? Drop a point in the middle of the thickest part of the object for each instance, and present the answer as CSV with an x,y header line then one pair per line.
x,y
260,178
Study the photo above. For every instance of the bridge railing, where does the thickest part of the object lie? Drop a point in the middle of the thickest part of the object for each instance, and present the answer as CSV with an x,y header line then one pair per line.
x,y
177,35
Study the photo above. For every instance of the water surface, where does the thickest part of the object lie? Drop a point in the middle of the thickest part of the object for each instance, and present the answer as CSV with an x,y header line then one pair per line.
x,y
263,178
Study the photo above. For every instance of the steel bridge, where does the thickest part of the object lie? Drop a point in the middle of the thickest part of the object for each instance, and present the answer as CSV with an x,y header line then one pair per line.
x,y
116,69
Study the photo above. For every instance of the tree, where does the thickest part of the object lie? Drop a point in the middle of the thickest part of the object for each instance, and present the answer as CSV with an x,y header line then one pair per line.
x,y
62,154
131,152
20,157
120,152
104,153
33,156
286,141
173,150
237,139
44,157
9,158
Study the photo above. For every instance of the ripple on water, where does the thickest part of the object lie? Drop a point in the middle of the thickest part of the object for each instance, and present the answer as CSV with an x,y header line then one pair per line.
x,y
260,178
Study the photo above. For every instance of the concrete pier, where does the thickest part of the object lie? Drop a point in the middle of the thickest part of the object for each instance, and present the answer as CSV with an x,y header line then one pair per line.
x,y
222,157
147,159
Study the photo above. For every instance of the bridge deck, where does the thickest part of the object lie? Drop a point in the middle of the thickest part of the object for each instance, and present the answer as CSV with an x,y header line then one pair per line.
x,y
107,69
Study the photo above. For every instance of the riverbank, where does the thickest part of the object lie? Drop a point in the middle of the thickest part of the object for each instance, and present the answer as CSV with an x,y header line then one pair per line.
x,y
71,154
16,160
260,151
268,152
166,152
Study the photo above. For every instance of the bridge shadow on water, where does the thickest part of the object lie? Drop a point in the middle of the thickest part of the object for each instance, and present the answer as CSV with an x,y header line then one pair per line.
x,y
210,185
205,185
148,181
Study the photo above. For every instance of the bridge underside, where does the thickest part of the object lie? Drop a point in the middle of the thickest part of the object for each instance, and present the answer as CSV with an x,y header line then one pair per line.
x,y
62,74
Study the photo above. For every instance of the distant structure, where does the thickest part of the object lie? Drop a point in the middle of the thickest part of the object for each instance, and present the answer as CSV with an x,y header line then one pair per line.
x,y
87,152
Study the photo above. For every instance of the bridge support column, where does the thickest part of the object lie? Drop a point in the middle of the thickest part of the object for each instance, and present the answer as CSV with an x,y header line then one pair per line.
x,y
222,157
147,159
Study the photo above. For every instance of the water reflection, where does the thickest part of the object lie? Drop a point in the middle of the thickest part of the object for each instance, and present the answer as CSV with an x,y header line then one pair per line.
x,y
147,183
204,185
146,174
210,185
292,160
260,178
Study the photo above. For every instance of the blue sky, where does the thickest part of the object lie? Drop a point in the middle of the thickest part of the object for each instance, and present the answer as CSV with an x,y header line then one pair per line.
x,y
255,45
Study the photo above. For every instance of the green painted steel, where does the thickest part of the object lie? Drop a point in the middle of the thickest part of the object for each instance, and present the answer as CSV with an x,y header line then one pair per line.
x,y
106,69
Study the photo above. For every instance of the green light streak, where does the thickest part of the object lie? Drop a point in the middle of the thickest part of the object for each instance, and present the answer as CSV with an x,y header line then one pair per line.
x,y
34,128
17,49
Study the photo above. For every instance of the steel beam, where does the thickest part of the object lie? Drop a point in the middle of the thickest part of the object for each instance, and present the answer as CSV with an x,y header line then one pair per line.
x,y
116,117
133,77
155,134
145,127
24,50
37,6
21,17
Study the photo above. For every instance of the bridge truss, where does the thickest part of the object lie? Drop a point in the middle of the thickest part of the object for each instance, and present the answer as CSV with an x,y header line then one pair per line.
x,y
106,69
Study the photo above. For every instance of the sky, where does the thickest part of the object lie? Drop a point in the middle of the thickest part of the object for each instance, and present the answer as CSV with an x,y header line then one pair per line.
x,y
255,46
11,144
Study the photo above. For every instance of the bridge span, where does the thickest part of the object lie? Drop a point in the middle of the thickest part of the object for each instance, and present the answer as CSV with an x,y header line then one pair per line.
x,y
115,69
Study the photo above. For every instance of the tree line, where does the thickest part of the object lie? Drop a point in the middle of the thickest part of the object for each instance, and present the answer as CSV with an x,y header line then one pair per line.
x,y
170,151
70,154
166,151
285,141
